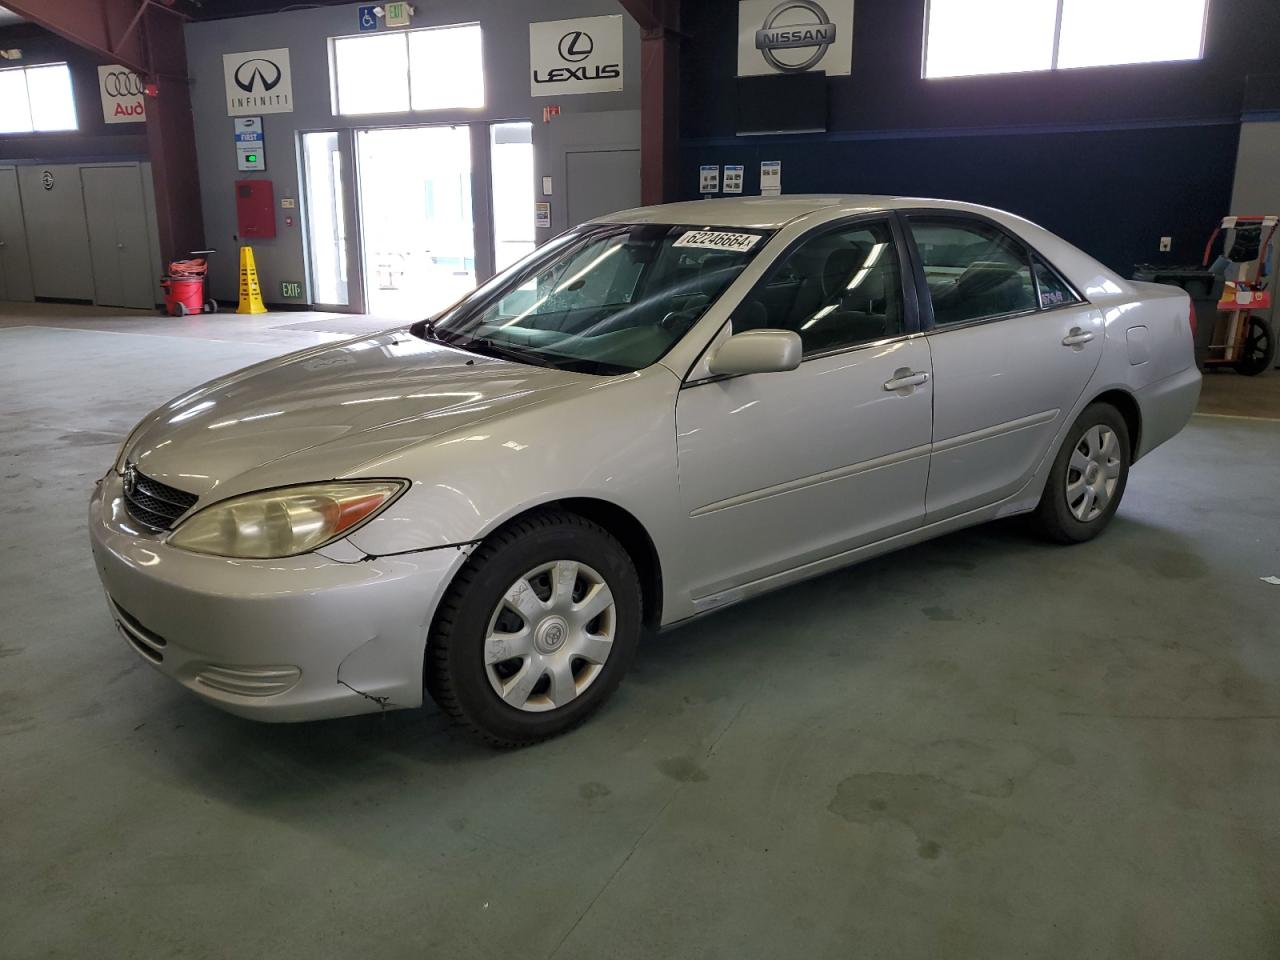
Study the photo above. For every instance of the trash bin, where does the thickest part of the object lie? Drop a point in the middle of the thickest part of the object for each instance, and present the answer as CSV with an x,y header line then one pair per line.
x,y
1205,288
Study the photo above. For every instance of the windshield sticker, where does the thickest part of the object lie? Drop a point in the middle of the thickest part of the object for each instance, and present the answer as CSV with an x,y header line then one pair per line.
x,y
714,240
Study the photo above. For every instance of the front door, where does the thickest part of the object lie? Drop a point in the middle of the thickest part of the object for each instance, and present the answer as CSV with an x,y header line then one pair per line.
x,y
782,469
118,241
1013,348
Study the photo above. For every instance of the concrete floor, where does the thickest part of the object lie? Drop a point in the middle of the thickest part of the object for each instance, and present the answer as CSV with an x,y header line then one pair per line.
x,y
983,747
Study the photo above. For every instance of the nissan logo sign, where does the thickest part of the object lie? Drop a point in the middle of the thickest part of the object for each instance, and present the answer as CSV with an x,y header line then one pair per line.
x,y
576,46
257,75
122,83
810,31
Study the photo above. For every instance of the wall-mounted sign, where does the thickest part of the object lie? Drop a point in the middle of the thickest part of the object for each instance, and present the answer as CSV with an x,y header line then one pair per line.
x,y
398,14
46,179
708,179
795,36
251,152
290,289
367,18
259,81
123,95
542,215
576,56
771,178
733,177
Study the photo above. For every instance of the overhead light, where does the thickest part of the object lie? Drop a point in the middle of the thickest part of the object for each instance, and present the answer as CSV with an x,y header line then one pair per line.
x,y
12,54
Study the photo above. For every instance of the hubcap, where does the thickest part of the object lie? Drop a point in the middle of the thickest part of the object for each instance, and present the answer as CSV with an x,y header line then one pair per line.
x,y
1093,472
549,636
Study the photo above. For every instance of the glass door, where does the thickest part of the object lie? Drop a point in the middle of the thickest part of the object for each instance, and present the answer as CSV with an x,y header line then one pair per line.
x,y
514,220
417,229
326,220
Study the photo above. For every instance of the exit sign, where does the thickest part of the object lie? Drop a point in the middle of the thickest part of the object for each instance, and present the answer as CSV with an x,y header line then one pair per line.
x,y
397,14
290,289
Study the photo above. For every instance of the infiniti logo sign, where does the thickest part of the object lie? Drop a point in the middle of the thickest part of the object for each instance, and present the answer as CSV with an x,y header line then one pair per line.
x,y
256,74
257,81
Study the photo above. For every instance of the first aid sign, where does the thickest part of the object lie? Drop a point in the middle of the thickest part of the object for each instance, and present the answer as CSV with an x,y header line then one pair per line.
x,y
123,94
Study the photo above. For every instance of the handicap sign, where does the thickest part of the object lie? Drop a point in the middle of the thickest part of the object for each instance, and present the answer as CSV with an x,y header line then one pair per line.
x,y
368,19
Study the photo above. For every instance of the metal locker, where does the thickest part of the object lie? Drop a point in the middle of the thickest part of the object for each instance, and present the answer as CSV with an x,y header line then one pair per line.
x,y
15,264
116,212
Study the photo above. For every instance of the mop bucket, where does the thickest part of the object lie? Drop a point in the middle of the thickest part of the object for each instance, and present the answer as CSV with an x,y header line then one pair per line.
x,y
184,287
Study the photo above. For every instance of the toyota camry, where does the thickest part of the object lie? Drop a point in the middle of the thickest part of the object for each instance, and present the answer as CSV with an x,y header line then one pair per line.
x,y
661,413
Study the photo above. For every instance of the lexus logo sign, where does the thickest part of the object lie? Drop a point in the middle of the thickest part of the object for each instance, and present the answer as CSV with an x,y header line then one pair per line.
x,y
257,75
795,36
576,56
123,95
257,82
576,46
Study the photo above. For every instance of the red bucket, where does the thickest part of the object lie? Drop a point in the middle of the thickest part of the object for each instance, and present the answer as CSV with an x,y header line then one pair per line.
x,y
183,295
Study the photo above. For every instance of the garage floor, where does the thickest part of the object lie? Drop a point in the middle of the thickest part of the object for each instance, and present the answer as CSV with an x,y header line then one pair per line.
x,y
982,747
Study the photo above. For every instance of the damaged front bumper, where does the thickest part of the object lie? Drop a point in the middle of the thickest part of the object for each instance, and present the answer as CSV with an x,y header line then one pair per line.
x,y
302,638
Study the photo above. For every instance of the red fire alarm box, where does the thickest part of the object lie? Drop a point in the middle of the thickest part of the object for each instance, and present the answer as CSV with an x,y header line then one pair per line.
x,y
255,209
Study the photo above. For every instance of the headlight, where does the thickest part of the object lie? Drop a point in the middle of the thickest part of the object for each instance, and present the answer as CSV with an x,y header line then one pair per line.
x,y
284,522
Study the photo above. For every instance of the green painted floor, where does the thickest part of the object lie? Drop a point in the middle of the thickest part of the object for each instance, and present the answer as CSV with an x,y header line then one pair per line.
x,y
983,747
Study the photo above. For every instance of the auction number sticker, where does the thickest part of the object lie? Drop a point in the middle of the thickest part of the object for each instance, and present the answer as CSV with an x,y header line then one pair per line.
x,y
715,240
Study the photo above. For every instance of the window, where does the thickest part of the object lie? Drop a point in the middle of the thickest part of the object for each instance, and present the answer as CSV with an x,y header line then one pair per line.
x,y
1054,291
971,37
974,271
839,289
439,68
604,301
37,99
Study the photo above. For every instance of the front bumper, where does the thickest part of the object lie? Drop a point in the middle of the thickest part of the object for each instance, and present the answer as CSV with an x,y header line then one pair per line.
x,y
302,638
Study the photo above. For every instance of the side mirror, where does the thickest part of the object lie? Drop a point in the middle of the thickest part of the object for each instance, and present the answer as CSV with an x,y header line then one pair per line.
x,y
757,351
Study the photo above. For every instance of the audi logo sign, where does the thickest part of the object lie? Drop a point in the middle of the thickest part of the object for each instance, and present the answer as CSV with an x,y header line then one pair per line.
x,y
123,95
257,82
576,56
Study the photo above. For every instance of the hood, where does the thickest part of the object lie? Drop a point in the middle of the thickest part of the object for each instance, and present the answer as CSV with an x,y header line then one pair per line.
x,y
320,414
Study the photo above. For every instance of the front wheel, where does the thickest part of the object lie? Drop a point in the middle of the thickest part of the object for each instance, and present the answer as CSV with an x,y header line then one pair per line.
x,y
536,631
1259,348
1087,478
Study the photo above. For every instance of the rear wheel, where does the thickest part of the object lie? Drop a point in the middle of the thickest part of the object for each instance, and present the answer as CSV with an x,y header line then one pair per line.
x,y
536,631
1088,477
1259,348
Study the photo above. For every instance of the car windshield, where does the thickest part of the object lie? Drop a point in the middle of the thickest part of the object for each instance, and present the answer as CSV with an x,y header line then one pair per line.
x,y
606,299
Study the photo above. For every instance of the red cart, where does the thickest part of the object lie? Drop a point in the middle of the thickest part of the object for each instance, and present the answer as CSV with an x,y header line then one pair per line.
x,y
1243,337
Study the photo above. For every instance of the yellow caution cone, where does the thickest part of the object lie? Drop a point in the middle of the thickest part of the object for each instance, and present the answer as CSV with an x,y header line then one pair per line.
x,y
250,288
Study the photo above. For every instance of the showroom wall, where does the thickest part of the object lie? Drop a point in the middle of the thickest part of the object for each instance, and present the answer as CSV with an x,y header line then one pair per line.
x,y
306,33
1130,153
94,140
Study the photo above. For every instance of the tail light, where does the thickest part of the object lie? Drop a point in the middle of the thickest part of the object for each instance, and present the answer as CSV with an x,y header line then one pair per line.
x,y
1194,330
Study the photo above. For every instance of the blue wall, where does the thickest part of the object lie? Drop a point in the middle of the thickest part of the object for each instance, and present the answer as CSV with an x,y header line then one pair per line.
x,y
1111,158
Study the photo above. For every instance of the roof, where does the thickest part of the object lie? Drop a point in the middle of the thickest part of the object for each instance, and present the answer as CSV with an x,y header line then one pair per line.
x,y
770,213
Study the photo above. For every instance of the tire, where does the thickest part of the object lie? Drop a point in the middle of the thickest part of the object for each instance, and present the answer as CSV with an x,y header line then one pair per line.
x,y
179,309
1069,510
211,306
1259,350
555,654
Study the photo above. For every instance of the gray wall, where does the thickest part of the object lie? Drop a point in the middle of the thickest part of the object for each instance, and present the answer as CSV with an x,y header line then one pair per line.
x,y
1257,184
306,33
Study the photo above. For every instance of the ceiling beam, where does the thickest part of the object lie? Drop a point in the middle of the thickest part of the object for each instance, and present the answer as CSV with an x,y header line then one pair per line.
x,y
110,28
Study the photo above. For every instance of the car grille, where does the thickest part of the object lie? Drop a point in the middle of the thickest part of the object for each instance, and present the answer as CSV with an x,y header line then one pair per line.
x,y
155,504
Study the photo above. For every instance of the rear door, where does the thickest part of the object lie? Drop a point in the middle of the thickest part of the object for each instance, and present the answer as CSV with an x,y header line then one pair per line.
x,y
1013,347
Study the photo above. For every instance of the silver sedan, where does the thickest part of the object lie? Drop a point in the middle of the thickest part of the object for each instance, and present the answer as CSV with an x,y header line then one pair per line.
x,y
657,415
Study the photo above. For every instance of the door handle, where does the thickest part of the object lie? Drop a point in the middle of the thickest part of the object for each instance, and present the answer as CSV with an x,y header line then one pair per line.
x,y
119,246
1077,338
906,377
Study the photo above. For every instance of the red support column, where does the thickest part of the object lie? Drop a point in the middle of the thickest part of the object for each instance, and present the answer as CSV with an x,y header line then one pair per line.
x,y
171,138
659,100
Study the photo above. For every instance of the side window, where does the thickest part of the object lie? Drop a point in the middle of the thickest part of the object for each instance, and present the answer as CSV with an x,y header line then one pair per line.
x,y
1054,291
974,270
838,289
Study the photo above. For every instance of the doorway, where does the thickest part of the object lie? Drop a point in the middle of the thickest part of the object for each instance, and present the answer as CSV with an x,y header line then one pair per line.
x,y
326,211
417,227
